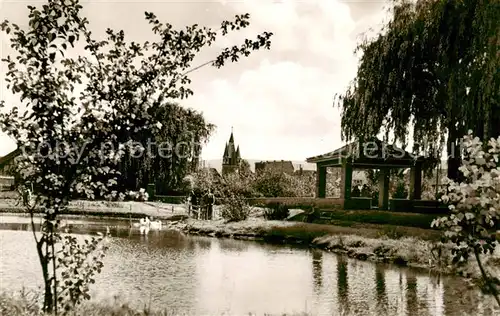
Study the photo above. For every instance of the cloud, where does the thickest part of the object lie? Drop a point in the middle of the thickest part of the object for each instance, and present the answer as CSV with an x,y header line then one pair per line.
x,y
279,101
279,110
314,26
283,107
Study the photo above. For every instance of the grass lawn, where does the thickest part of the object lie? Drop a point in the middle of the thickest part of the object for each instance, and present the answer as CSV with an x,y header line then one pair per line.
x,y
23,304
380,217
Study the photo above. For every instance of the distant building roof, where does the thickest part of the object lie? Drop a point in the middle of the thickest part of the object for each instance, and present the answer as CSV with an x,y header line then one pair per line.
x,y
275,165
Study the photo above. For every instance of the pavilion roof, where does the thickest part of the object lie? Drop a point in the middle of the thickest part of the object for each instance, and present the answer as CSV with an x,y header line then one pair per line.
x,y
373,151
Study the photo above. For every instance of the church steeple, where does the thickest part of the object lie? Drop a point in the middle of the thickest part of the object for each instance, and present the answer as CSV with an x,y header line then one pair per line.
x,y
231,138
225,158
231,158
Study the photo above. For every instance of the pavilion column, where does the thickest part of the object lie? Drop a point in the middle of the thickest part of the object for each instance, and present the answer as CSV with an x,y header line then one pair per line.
x,y
383,189
346,180
321,182
416,181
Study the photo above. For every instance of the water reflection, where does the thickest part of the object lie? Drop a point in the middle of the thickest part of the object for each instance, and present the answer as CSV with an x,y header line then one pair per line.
x,y
144,230
381,294
202,276
317,257
234,245
411,295
342,285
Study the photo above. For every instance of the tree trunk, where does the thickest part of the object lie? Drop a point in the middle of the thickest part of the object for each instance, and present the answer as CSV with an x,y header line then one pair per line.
x,y
48,298
453,149
486,277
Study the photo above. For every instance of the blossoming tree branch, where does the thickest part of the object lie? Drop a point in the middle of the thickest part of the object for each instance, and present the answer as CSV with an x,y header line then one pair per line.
x,y
475,206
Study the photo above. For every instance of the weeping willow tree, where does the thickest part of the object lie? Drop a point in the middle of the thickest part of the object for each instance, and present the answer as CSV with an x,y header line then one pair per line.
x,y
171,152
434,68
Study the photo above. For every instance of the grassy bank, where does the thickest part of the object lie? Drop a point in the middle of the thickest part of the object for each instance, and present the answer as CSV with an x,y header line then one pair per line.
x,y
404,246
26,304
377,217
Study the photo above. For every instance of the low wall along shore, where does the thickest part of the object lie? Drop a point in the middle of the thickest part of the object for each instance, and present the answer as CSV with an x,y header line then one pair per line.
x,y
289,201
396,205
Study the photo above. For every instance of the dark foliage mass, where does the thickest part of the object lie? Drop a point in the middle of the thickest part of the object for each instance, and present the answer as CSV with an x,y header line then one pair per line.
x,y
170,153
434,65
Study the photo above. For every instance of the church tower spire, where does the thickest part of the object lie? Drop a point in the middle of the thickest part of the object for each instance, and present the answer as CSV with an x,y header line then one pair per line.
x,y
231,158
231,138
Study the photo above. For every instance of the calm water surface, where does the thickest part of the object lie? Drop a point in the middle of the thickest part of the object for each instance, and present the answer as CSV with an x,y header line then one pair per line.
x,y
206,276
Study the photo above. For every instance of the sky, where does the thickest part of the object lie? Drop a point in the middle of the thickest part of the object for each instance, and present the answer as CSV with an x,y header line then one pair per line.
x,y
279,102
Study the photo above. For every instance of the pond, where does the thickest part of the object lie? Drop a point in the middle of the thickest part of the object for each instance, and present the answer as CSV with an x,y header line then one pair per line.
x,y
208,276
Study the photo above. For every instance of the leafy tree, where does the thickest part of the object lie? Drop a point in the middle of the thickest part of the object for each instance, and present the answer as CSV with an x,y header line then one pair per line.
x,y
267,184
239,184
274,184
303,185
400,191
234,208
244,168
172,151
72,143
429,185
271,183
332,184
372,176
433,66
475,206
204,179
222,186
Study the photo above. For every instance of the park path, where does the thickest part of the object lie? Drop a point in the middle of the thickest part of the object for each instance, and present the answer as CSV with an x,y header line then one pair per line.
x,y
153,209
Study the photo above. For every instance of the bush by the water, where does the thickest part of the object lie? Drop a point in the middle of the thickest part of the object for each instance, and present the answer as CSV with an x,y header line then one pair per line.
x,y
249,185
235,208
401,192
276,211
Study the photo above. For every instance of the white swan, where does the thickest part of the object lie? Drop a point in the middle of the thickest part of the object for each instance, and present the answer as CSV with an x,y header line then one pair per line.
x,y
144,230
142,224
156,225
146,223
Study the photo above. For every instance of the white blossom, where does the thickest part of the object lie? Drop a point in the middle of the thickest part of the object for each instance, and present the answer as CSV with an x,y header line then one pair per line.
x,y
475,202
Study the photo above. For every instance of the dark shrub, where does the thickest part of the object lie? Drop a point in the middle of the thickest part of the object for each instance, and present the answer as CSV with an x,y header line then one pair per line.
x,y
401,192
277,212
235,208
